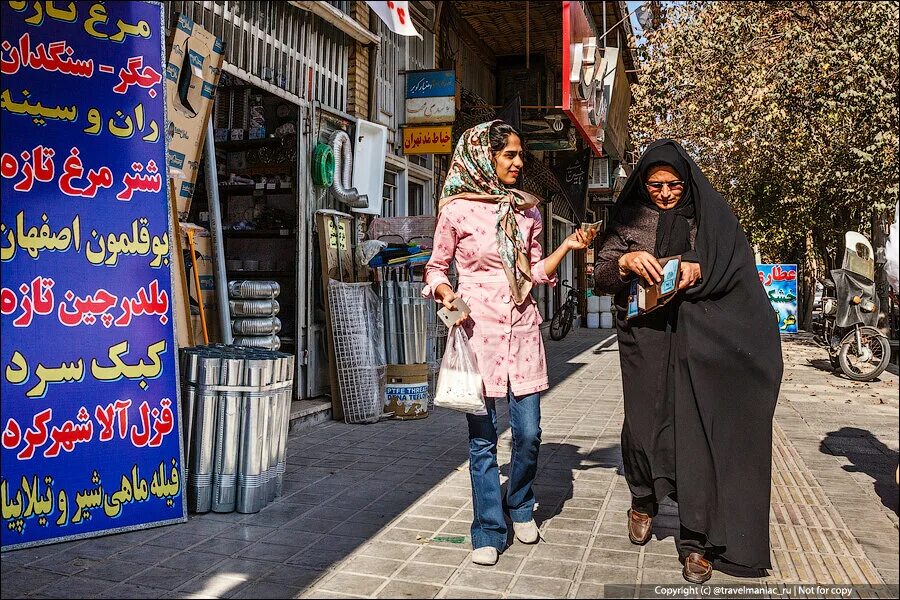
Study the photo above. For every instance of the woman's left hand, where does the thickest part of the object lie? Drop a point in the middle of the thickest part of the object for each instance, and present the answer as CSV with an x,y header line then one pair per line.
x,y
579,240
690,275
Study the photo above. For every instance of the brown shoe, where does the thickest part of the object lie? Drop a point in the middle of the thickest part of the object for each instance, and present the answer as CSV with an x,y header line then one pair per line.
x,y
639,526
696,568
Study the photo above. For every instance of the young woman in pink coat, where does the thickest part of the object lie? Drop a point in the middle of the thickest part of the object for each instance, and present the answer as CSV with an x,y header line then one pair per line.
x,y
493,232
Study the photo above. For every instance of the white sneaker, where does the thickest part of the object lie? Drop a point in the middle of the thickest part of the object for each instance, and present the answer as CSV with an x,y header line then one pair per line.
x,y
527,533
486,555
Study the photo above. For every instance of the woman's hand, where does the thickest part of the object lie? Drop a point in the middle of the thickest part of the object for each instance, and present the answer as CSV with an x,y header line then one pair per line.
x,y
690,275
445,294
579,240
642,264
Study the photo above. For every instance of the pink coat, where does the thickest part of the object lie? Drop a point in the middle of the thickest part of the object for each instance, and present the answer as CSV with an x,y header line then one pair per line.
x,y
505,338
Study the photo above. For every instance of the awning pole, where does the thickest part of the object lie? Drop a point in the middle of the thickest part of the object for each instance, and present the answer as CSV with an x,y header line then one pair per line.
x,y
215,226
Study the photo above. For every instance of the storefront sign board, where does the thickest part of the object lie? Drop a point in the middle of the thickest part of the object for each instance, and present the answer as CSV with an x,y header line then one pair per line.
x,y
780,282
427,139
91,439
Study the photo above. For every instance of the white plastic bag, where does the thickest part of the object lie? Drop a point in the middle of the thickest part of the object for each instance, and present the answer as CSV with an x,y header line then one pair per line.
x,y
459,384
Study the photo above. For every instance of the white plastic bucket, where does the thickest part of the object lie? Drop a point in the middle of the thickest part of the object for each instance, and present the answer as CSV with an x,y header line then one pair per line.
x,y
606,320
593,320
605,303
593,304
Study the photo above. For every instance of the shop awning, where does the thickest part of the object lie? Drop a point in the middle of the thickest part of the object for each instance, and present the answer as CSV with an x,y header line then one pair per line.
x,y
551,32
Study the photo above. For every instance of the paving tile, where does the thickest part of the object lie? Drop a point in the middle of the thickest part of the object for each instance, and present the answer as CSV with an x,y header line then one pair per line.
x,y
357,529
212,585
76,587
293,576
63,564
266,589
610,574
316,559
162,578
131,590
352,584
406,589
247,533
386,549
442,555
369,565
21,582
530,587
483,579
113,570
310,525
181,541
558,569
222,546
426,573
468,593
197,562
557,552
268,552
623,544
565,537
592,590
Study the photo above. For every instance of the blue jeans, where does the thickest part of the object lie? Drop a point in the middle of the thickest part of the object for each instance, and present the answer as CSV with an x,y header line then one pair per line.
x,y
488,525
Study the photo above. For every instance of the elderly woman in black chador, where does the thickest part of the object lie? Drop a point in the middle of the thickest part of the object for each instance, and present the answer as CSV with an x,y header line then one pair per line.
x,y
700,374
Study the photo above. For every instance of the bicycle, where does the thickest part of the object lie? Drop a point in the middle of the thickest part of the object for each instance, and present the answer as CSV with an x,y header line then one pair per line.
x,y
562,318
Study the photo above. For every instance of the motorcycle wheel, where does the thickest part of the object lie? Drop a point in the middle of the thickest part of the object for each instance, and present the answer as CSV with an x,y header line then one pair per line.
x,y
868,362
561,323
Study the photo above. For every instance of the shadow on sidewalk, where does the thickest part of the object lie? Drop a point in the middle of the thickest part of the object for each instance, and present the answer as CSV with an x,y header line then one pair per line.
x,y
866,454
344,486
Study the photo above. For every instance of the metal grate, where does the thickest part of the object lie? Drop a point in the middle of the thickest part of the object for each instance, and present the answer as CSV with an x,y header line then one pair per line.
x,y
280,48
358,329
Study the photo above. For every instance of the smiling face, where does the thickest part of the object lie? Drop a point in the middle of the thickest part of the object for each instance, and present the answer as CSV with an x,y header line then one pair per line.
x,y
665,186
509,161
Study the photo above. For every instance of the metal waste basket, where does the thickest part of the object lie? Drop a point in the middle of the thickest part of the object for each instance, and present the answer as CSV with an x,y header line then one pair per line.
x,y
203,437
227,436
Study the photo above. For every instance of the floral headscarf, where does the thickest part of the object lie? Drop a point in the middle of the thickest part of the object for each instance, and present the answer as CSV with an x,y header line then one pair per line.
x,y
472,177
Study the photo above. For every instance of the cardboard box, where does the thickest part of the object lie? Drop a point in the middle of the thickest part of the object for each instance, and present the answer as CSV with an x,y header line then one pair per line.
x,y
207,292
407,392
192,74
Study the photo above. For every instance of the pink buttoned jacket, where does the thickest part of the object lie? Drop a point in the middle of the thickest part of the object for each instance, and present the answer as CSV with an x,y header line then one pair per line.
x,y
505,338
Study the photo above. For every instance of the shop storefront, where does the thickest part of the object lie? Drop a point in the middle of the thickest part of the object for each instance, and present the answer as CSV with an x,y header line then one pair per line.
x,y
563,71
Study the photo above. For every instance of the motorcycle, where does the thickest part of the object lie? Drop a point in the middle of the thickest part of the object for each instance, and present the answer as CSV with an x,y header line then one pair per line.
x,y
846,326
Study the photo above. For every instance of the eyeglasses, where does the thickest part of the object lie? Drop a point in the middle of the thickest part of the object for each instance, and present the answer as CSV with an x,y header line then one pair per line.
x,y
659,185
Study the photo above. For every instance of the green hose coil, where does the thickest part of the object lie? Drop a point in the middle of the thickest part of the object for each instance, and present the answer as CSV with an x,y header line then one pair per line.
x,y
323,165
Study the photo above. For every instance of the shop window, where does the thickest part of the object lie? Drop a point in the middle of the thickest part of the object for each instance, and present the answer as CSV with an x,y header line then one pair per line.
x,y
389,194
415,199
599,173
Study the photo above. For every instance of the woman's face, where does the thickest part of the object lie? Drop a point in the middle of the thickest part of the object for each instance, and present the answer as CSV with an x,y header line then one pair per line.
x,y
665,186
508,162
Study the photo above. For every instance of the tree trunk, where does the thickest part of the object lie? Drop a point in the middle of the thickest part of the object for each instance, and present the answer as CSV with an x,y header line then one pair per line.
x,y
879,241
813,271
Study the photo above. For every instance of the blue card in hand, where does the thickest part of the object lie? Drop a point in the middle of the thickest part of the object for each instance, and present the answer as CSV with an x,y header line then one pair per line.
x,y
669,275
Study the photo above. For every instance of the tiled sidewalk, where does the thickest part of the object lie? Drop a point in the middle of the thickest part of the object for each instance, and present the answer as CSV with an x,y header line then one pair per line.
x,y
383,511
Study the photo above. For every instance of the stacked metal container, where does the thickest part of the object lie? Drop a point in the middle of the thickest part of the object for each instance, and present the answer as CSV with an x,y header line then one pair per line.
x,y
406,316
236,412
254,305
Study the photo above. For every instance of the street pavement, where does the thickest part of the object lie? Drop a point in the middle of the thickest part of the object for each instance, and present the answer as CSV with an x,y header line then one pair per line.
x,y
384,510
